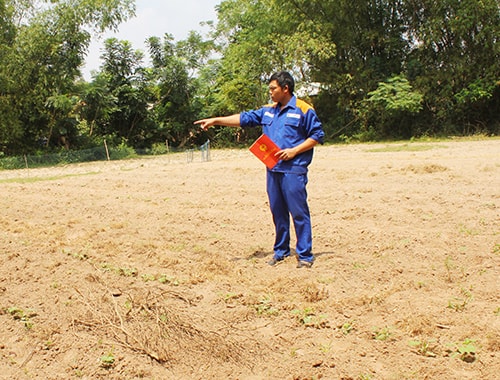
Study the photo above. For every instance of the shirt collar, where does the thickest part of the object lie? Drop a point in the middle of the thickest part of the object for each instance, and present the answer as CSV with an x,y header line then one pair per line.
x,y
292,103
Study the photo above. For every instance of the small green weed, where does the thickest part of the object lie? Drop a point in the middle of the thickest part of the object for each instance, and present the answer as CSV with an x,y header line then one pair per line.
x,y
128,305
126,272
420,284
347,327
467,230
325,347
424,347
229,297
448,264
76,255
304,316
308,318
148,277
496,249
365,376
55,285
22,315
265,307
465,350
357,265
459,303
78,372
382,334
107,360
326,280
164,279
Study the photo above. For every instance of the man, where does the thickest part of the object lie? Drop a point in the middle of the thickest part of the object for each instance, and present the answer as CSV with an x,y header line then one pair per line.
x,y
294,126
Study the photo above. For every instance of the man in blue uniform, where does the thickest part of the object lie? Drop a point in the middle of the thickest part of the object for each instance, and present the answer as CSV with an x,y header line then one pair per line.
x,y
294,126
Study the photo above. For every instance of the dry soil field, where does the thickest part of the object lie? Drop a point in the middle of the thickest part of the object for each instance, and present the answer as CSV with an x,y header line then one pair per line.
x,y
156,268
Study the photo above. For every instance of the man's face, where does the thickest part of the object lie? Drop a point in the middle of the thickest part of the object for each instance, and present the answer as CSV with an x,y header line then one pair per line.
x,y
276,92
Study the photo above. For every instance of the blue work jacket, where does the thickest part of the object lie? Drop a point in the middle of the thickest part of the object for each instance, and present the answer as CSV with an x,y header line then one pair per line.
x,y
288,127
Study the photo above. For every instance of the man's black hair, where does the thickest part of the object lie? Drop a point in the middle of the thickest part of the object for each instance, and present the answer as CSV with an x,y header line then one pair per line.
x,y
284,79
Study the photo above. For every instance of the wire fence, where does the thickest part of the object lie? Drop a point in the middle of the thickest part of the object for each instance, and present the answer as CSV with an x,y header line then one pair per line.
x,y
102,153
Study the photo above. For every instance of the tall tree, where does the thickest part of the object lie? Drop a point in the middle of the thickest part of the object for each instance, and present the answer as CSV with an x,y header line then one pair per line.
x,y
387,111
175,67
455,61
258,38
127,85
10,126
370,47
44,56
447,50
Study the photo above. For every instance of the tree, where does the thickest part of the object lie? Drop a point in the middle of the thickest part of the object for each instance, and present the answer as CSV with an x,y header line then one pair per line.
x,y
174,68
256,39
127,85
347,46
447,50
10,127
386,68
98,104
41,57
260,37
454,61
388,110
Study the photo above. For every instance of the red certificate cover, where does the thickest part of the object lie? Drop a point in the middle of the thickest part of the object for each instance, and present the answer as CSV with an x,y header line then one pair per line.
x,y
264,149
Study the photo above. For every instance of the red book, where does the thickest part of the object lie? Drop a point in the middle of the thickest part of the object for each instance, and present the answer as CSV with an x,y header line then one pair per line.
x,y
265,149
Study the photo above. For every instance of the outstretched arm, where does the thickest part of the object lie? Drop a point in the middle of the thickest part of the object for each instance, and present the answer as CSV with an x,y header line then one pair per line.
x,y
226,121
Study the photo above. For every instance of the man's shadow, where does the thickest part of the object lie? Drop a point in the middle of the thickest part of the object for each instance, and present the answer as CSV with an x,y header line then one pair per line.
x,y
261,254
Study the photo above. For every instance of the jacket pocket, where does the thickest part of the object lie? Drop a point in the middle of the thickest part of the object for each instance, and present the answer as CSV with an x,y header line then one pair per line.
x,y
292,127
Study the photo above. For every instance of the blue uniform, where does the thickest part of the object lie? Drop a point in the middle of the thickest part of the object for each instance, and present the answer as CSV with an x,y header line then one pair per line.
x,y
286,182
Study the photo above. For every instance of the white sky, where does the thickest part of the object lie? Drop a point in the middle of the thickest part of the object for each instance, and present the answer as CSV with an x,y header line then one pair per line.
x,y
155,18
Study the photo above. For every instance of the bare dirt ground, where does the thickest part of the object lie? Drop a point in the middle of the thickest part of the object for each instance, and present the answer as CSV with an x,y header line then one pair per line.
x,y
157,268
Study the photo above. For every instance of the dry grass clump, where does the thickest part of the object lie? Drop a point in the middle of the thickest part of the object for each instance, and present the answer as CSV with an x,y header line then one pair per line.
x,y
425,169
154,324
313,293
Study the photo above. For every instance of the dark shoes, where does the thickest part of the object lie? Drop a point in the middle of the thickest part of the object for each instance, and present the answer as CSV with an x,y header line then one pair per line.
x,y
304,264
300,263
274,261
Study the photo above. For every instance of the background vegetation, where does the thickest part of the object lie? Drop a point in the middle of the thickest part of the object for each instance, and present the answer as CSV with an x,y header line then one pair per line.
x,y
382,69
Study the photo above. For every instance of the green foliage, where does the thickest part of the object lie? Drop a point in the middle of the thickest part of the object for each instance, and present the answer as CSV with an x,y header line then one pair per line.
x,y
309,318
455,59
347,327
389,108
394,96
265,307
465,350
22,315
382,334
259,38
107,360
476,91
42,50
424,347
65,157
175,86
387,69
460,303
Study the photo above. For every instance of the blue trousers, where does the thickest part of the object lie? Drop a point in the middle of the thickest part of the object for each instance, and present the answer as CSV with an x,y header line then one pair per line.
x,y
288,196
